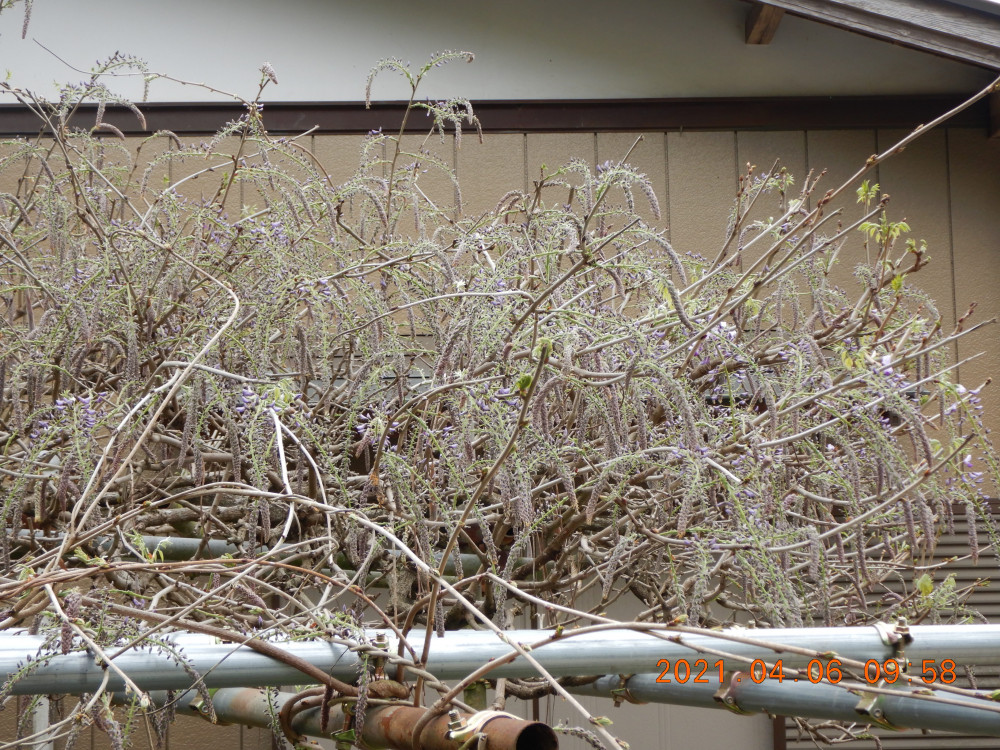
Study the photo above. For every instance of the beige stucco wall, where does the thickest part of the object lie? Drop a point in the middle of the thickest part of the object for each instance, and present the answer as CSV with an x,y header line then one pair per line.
x,y
186,733
947,186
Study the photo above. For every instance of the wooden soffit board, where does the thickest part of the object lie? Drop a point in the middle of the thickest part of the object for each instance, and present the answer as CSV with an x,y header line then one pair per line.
x,y
934,26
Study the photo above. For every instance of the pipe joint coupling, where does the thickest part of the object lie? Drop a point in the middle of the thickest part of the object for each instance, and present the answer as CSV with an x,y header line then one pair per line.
x,y
462,729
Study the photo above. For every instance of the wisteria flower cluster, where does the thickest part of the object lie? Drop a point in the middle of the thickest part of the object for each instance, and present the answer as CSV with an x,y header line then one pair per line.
x,y
549,401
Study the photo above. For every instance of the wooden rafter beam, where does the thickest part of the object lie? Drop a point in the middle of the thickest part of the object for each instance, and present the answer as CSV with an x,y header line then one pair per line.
x,y
762,23
929,25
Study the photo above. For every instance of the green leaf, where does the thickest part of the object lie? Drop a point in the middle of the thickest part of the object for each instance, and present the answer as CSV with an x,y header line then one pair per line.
x,y
925,585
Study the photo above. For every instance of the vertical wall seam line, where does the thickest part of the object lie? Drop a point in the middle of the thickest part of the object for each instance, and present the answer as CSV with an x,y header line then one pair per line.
x,y
805,160
457,187
666,214
951,242
736,159
524,154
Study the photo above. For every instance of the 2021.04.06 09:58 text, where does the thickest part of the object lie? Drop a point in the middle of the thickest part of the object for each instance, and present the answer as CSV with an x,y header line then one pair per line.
x,y
889,671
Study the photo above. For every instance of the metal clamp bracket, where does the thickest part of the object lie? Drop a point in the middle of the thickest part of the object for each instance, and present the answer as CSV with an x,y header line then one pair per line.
x,y
381,642
198,704
621,693
725,696
473,724
870,707
896,636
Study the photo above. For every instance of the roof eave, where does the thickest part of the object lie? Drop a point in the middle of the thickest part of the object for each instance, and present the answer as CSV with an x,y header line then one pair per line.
x,y
942,28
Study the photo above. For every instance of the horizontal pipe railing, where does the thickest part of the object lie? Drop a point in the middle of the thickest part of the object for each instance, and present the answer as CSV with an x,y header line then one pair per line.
x,y
618,651
179,548
842,702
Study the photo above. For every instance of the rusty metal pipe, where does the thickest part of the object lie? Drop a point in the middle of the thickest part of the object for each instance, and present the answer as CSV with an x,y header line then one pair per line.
x,y
392,727
386,726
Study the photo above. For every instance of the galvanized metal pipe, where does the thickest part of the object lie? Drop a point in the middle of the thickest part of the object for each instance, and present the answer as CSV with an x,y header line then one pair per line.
x,y
155,668
40,722
461,652
802,698
179,548
185,548
385,726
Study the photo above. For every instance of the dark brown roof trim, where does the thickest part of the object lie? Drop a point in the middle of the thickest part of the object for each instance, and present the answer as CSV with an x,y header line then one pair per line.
x,y
935,26
533,116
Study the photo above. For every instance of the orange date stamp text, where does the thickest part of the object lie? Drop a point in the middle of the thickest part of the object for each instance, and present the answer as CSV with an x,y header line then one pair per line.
x,y
875,672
